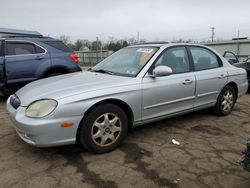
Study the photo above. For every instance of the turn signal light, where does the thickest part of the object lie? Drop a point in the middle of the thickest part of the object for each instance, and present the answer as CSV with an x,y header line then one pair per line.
x,y
67,124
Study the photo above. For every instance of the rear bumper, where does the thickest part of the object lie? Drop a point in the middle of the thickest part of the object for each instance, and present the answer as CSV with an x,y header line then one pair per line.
x,y
242,88
43,132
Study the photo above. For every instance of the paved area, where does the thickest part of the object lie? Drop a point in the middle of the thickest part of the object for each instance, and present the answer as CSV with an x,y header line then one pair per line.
x,y
206,157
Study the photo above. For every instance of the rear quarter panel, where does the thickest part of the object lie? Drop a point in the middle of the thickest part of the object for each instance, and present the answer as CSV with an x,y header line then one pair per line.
x,y
238,76
61,59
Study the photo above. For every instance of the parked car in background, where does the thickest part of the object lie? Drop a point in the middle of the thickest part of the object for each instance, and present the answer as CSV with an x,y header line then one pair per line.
x,y
247,60
134,86
232,59
31,56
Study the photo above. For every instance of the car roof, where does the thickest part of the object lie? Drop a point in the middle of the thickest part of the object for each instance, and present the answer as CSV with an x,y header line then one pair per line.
x,y
150,44
165,44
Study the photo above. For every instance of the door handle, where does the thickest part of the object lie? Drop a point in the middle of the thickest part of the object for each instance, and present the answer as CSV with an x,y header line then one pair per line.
x,y
38,58
222,76
187,82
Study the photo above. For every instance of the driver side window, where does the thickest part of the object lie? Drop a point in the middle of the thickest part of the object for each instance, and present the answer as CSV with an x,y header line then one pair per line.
x,y
176,58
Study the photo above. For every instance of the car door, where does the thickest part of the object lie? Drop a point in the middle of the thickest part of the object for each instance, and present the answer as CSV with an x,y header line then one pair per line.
x,y
170,94
210,75
230,57
23,60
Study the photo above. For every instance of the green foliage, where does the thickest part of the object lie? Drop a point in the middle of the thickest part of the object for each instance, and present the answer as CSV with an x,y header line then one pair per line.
x,y
114,46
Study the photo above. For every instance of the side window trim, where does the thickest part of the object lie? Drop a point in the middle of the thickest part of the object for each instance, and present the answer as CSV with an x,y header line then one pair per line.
x,y
25,41
175,46
192,60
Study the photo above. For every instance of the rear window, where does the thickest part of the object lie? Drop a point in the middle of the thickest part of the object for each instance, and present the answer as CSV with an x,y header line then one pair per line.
x,y
59,45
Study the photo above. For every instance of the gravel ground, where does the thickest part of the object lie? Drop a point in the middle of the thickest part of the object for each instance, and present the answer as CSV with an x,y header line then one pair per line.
x,y
206,157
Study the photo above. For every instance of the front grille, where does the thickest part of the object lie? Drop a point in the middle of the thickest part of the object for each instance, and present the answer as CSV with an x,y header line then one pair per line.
x,y
15,101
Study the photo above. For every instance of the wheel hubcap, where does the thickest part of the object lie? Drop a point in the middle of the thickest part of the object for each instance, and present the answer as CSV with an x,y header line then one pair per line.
x,y
106,129
227,102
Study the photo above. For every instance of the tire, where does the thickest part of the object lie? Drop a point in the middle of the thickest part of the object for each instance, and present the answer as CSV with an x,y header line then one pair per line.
x,y
103,129
225,101
55,74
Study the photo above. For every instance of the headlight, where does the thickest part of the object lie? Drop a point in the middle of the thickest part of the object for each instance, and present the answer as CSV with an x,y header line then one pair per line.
x,y
41,108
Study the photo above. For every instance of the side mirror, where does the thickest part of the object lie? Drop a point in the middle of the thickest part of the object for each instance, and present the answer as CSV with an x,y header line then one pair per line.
x,y
162,71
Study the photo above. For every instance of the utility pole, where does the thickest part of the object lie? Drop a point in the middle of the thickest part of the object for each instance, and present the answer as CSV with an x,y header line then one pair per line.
x,y
96,50
138,37
101,49
238,43
212,30
238,34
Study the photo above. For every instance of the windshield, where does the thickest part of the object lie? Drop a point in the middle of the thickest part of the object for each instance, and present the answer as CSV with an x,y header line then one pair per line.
x,y
126,62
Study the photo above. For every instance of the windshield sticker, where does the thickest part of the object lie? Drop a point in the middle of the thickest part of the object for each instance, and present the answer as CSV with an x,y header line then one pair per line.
x,y
145,50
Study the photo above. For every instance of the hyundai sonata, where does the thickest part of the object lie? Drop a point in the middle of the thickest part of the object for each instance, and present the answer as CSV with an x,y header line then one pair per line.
x,y
134,86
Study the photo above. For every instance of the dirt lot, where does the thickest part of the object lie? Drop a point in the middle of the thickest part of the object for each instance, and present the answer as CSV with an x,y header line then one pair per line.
x,y
210,147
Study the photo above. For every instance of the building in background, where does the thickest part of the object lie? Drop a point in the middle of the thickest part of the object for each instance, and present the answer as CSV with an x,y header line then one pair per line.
x,y
239,46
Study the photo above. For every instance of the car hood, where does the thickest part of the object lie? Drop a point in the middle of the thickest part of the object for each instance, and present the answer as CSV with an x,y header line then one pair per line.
x,y
68,85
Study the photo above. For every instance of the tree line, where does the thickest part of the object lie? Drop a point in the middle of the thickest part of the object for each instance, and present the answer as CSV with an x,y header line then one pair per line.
x,y
111,45
85,45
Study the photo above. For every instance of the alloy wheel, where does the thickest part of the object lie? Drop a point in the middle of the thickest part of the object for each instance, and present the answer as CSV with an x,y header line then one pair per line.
x,y
227,101
106,129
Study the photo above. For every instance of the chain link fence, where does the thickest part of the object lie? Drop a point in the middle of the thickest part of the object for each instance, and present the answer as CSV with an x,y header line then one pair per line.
x,y
91,58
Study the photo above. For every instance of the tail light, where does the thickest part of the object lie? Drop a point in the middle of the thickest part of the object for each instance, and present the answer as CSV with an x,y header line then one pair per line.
x,y
74,57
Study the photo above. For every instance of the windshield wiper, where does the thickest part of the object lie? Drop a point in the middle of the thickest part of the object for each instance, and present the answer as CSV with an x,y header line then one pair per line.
x,y
102,71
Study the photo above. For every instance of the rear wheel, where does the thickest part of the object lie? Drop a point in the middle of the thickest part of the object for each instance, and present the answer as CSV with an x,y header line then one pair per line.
x,y
225,101
55,74
103,129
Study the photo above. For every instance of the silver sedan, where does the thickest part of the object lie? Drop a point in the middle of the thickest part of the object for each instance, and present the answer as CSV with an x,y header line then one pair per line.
x,y
134,86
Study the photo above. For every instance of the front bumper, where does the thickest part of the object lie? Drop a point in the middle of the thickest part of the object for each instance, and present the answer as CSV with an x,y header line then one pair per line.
x,y
43,132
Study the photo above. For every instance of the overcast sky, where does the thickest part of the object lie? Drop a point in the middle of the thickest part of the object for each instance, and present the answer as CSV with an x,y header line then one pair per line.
x,y
162,20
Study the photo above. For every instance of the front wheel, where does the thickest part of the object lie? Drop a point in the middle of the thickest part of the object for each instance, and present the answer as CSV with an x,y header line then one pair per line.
x,y
103,129
225,101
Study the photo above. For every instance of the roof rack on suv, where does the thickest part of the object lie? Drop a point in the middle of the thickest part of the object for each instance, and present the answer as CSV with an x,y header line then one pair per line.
x,y
5,32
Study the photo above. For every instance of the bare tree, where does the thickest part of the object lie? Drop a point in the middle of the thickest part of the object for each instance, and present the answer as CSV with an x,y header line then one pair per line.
x,y
131,41
65,39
